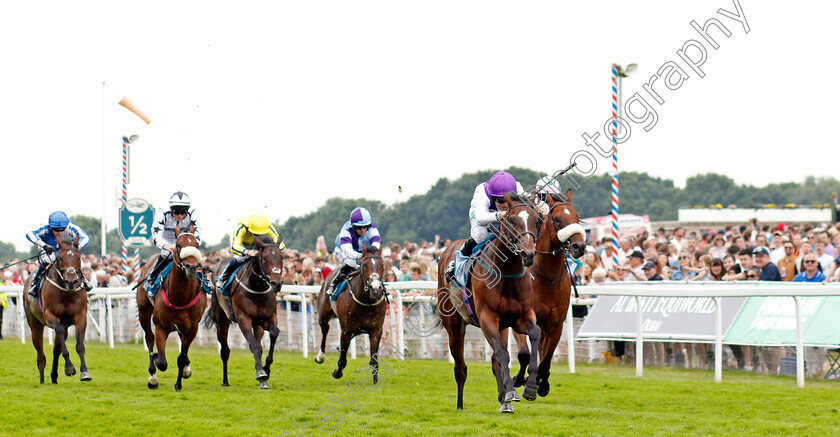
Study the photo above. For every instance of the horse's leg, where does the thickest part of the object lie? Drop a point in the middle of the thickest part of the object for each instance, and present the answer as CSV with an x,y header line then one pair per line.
x,y
222,326
501,360
37,330
533,330
342,359
160,343
145,317
273,333
80,321
247,328
59,349
457,330
524,357
324,323
183,358
548,343
375,336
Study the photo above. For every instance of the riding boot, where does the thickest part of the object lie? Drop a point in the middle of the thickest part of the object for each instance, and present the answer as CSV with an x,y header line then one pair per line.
x,y
466,250
342,275
152,278
221,281
468,247
35,285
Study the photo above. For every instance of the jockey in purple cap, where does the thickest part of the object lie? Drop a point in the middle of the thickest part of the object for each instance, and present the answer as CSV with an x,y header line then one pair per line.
x,y
487,208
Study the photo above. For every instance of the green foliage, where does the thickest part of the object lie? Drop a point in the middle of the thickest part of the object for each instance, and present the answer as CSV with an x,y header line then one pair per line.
x,y
443,209
417,399
93,227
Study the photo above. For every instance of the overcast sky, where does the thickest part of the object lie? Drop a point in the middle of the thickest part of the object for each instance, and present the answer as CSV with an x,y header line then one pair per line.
x,y
276,106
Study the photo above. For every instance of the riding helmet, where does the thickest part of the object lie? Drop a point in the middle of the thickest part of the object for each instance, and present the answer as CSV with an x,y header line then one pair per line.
x,y
58,219
360,217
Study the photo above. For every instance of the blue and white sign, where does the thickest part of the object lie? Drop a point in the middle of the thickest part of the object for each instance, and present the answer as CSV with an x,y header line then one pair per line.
x,y
136,218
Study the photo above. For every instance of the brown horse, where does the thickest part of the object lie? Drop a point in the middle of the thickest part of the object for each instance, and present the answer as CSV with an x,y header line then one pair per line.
x,y
560,233
501,292
62,302
252,295
178,306
360,309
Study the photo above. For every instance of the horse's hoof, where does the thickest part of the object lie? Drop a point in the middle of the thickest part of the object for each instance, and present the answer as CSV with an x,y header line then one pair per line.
x,y
337,374
70,371
261,375
153,382
320,357
506,408
264,385
86,376
511,396
186,373
177,387
530,393
225,384
543,389
519,381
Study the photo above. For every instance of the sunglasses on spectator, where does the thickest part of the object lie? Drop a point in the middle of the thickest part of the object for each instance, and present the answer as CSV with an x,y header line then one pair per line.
x,y
683,257
752,276
810,261
789,247
58,229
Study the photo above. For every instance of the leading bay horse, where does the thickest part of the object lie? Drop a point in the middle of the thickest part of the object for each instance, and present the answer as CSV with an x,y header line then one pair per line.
x,y
501,295
560,233
62,302
178,306
360,309
252,295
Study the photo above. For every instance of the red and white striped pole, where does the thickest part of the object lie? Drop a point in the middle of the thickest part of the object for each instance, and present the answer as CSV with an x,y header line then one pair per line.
x,y
615,105
124,200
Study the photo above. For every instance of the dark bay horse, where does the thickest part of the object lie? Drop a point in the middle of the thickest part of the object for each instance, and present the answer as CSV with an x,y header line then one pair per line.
x,y
560,233
178,307
61,303
360,309
501,292
252,295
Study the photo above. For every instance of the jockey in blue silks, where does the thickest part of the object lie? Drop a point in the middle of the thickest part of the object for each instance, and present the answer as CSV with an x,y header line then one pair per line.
x,y
355,234
46,236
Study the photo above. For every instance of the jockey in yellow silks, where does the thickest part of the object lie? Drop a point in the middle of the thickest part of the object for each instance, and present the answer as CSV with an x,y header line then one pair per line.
x,y
243,246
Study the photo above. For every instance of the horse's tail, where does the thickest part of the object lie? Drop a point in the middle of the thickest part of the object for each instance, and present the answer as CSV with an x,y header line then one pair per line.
x,y
209,318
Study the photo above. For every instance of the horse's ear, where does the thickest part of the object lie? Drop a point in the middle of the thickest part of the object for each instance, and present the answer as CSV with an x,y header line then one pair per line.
x,y
508,198
569,195
259,242
549,199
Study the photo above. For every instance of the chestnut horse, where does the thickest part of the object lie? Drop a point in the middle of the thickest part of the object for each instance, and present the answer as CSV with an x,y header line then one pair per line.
x,y
252,294
501,293
560,233
360,309
62,302
178,306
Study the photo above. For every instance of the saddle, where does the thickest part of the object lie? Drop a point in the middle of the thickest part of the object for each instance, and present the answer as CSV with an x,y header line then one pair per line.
x,y
343,284
460,296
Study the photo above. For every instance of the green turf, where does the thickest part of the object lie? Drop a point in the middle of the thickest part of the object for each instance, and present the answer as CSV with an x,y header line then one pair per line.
x,y
417,400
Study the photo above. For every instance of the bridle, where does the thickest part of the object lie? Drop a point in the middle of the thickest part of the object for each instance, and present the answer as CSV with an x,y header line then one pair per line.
x,y
259,272
177,255
369,288
564,247
63,271
518,237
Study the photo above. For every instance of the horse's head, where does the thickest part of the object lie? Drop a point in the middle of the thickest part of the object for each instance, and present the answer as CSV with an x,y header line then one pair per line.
x,y
373,272
68,261
186,255
563,224
269,261
518,227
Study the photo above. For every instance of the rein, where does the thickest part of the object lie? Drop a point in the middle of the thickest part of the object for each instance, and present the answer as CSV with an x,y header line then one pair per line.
x,y
559,252
61,272
176,258
368,287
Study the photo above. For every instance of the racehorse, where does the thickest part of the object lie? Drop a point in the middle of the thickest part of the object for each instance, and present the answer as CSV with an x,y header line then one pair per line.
x,y
560,233
254,308
62,302
178,306
360,309
501,292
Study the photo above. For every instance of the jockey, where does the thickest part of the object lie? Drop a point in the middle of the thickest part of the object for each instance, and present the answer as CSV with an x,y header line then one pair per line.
x,y
355,234
243,245
487,208
46,238
163,233
545,185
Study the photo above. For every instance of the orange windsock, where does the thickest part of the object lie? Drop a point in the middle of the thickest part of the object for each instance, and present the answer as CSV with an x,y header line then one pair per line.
x,y
130,106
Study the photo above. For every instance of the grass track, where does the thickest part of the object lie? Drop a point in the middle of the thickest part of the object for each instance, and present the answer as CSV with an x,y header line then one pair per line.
x,y
418,400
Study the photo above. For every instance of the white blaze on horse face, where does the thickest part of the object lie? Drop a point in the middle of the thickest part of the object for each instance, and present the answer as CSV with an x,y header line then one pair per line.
x,y
566,210
524,216
277,271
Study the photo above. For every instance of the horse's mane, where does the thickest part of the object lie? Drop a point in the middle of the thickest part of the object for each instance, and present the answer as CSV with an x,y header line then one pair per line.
x,y
265,238
68,239
558,197
515,196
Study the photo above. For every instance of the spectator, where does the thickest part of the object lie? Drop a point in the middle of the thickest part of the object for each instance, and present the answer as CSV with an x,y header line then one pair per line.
x,y
650,271
718,250
683,272
753,273
634,269
769,271
702,273
811,272
787,264
678,241
717,270
826,261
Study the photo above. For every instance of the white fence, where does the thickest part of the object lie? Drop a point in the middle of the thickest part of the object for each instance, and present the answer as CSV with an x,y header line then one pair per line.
x,y
106,305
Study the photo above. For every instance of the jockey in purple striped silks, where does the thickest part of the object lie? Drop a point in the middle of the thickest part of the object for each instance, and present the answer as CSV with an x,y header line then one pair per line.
x,y
356,233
